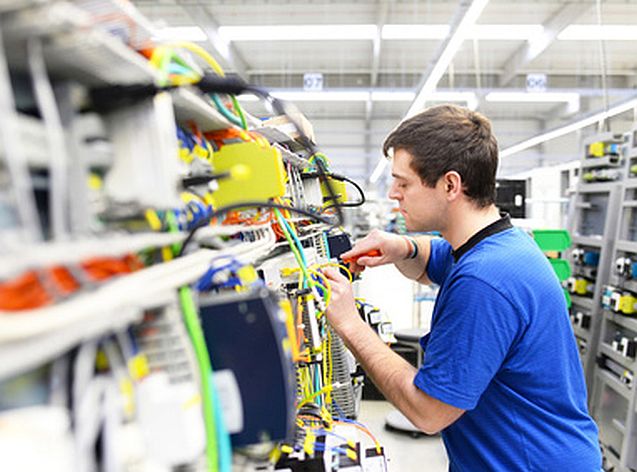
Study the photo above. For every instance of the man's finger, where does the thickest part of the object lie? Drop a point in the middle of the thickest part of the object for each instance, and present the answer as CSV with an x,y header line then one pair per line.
x,y
333,274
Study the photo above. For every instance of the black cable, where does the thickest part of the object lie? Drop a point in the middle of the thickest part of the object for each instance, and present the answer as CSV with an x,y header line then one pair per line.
x,y
109,98
342,178
279,107
236,206
203,179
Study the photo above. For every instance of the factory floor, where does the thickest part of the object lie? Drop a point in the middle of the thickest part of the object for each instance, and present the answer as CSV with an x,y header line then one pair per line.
x,y
404,452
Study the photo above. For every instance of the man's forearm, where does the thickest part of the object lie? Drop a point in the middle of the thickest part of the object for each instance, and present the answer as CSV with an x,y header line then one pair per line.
x,y
416,268
394,376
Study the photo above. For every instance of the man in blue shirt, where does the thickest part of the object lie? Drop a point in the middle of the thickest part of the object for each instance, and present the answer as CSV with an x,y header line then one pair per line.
x,y
501,378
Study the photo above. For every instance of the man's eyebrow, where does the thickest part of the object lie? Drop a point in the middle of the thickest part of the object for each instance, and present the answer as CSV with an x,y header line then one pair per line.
x,y
398,176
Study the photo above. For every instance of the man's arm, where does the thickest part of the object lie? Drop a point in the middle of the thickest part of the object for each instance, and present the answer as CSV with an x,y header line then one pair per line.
x,y
391,373
394,249
416,268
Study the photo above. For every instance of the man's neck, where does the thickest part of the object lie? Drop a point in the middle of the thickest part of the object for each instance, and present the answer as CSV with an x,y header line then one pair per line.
x,y
466,221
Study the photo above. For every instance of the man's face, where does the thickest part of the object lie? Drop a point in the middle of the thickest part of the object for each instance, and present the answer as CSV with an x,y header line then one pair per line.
x,y
423,207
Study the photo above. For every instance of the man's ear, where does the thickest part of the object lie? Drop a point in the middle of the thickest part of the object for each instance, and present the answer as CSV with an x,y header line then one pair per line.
x,y
452,184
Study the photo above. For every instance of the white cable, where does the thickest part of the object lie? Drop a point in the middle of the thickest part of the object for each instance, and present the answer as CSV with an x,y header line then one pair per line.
x,y
14,157
58,157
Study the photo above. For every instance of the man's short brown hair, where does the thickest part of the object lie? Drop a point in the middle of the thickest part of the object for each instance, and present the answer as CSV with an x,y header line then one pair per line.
x,y
450,138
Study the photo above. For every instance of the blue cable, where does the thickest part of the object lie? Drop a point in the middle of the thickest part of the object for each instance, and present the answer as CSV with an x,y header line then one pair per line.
x,y
223,437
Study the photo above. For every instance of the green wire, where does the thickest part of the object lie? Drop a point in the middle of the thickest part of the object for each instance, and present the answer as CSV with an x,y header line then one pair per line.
x,y
191,320
205,369
225,112
295,251
242,116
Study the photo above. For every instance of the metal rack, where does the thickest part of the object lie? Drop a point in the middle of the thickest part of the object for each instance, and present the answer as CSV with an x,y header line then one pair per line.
x,y
613,396
592,222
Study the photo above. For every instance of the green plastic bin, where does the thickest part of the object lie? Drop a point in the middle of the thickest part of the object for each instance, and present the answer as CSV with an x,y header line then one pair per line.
x,y
552,239
562,268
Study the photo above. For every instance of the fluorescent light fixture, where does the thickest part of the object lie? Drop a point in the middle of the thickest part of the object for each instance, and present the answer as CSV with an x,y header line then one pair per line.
x,y
454,43
378,171
470,98
181,33
597,32
298,32
485,32
415,31
393,96
327,96
569,128
504,32
572,99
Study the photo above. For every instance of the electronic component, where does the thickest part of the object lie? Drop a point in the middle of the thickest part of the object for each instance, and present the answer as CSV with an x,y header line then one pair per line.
x,y
601,175
604,149
338,244
245,333
579,286
581,319
624,345
263,178
623,266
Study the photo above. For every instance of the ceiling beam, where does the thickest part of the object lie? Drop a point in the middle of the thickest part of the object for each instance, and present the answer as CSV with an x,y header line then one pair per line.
x,y
465,16
381,19
532,49
204,19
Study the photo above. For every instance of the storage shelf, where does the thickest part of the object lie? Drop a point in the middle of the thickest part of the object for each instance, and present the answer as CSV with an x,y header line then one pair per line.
x,y
622,320
628,246
581,332
597,187
584,302
191,107
601,162
614,383
628,285
21,258
95,58
624,361
587,241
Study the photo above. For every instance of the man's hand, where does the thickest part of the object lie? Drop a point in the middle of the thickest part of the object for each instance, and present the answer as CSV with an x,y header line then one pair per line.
x,y
393,248
341,312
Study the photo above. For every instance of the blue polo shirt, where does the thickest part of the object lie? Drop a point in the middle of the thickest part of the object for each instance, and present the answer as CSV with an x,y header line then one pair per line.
x,y
501,347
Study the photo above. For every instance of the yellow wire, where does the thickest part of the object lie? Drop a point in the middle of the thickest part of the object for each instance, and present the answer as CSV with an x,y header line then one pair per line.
x,y
314,395
341,266
201,52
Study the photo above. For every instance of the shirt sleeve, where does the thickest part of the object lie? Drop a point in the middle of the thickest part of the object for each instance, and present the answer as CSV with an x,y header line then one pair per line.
x,y
440,261
470,339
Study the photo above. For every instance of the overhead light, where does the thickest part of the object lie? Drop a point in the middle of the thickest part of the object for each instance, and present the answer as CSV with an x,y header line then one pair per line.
x,y
181,33
470,98
485,32
393,96
415,31
454,43
569,128
298,32
572,99
378,171
510,32
327,96
597,32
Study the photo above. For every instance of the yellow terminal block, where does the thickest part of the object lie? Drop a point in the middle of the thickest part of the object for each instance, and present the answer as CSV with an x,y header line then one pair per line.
x,y
339,188
138,367
626,304
596,149
581,286
263,176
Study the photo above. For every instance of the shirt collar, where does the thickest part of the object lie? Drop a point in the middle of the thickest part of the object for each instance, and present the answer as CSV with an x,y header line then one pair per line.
x,y
502,224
